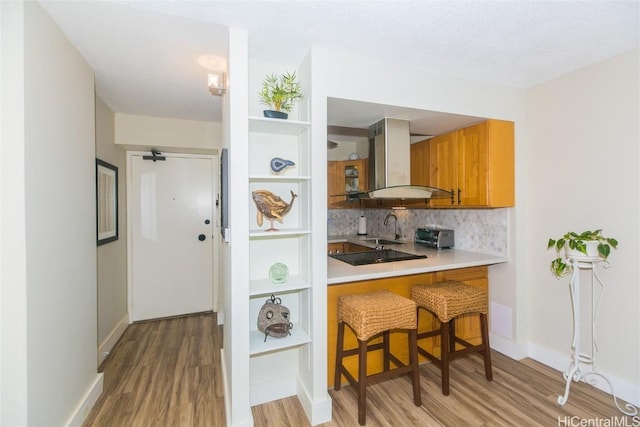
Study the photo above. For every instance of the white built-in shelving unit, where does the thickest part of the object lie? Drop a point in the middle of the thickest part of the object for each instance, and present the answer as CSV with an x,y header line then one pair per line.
x,y
290,245
256,370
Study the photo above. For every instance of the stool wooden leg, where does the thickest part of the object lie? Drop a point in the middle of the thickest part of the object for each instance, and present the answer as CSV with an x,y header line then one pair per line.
x,y
452,335
385,350
339,345
487,350
362,382
444,357
413,359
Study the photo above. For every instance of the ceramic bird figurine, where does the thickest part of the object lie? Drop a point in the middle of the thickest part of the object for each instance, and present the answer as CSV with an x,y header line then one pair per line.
x,y
271,206
278,164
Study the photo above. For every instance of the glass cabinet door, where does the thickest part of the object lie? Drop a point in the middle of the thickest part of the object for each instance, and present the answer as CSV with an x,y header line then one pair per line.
x,y
351,179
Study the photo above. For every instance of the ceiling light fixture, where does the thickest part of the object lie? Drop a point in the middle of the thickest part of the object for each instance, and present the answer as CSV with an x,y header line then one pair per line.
x,y
217,83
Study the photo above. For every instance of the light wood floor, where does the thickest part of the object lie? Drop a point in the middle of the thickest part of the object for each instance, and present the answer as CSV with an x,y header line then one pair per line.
x,y
164,373
167,372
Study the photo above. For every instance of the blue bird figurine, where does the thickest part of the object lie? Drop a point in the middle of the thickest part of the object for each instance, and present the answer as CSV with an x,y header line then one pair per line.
x,y
278,164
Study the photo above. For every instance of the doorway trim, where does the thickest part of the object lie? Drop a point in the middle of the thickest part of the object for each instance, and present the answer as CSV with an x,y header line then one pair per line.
x,y
216,223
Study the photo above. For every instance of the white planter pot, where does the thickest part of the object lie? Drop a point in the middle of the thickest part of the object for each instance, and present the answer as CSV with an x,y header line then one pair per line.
x,y
592,252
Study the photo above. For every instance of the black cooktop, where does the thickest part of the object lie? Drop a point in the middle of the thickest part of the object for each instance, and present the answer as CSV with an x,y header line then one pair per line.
x,y
375,257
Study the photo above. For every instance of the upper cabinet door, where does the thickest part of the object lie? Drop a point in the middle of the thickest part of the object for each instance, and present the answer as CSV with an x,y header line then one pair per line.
x,y
443,166
472,166
475,163
420,163
335,185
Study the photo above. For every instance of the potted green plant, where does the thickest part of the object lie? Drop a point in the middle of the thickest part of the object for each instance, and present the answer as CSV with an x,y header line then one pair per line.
x,y
587,246
280,92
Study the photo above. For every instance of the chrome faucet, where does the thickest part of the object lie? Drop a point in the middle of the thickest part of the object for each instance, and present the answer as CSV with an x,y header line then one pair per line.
x,y
386,222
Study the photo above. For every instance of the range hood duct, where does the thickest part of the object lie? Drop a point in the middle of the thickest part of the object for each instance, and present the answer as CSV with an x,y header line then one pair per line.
x,y
390,162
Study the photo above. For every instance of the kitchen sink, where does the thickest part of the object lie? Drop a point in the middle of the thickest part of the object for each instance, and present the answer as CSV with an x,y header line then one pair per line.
x,y
375,257
380,241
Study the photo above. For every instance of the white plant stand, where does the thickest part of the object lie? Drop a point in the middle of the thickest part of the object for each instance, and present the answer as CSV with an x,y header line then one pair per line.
x,y
580,360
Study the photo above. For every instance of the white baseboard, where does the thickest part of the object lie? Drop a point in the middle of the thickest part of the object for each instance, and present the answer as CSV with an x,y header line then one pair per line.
x,y
87,402
220,318
225,385
107,345
508,347
622,388
227,396
271,390
318,411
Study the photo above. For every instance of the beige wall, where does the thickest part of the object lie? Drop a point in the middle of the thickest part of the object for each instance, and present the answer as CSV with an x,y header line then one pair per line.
x,y
112,257
142,133
584,175
52,365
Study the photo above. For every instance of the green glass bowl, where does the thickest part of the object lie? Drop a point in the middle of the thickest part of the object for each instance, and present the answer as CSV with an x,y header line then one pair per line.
x,y
278,273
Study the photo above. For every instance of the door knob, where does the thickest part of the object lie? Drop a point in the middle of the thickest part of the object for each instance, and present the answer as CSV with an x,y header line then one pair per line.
x,y
202,237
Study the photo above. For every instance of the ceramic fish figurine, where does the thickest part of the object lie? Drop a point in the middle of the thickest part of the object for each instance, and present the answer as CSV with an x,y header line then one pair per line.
x,y
278,164
271,206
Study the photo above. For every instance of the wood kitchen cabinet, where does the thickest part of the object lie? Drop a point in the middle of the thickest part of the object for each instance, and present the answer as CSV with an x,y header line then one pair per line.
x,y
346,247
475,163
354,247
343,177
335,248
420,163
419,176
467,327
333,184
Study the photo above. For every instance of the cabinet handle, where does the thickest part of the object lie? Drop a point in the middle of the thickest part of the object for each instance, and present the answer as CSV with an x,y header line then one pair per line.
x,y
452,201
459,191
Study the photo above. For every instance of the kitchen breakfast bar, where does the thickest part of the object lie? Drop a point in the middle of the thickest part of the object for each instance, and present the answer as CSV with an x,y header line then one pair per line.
x,y
399,277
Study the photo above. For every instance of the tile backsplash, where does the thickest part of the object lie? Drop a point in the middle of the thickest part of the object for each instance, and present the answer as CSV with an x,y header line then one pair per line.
x,y
477,230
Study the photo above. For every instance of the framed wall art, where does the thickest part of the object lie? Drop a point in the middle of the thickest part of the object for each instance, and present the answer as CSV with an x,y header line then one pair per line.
x,y
106,202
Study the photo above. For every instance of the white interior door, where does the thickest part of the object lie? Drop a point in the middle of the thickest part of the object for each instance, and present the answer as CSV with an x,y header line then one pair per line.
x,y
172,232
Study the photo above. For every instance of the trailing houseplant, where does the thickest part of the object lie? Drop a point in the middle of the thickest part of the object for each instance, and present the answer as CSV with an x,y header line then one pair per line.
x,y
280,92
589,244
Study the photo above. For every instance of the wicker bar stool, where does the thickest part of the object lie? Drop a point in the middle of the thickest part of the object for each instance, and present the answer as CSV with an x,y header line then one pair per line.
x,y
369,315
448,300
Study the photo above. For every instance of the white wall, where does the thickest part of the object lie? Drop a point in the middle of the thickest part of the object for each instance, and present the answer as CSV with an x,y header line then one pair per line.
x,y
175,135
56,299
345,149
584,175
112,257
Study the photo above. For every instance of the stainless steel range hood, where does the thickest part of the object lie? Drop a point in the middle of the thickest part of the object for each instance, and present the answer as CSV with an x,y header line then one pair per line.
x,y
390,163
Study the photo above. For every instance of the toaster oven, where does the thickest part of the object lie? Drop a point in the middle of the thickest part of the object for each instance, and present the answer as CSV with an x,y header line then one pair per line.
x,y
434,238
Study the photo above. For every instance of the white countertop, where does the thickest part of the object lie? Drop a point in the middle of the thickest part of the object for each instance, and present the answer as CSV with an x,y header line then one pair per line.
x,y
437,260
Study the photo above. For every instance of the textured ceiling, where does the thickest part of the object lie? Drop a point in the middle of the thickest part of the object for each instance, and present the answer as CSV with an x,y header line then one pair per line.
x,y
146,63
151,57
